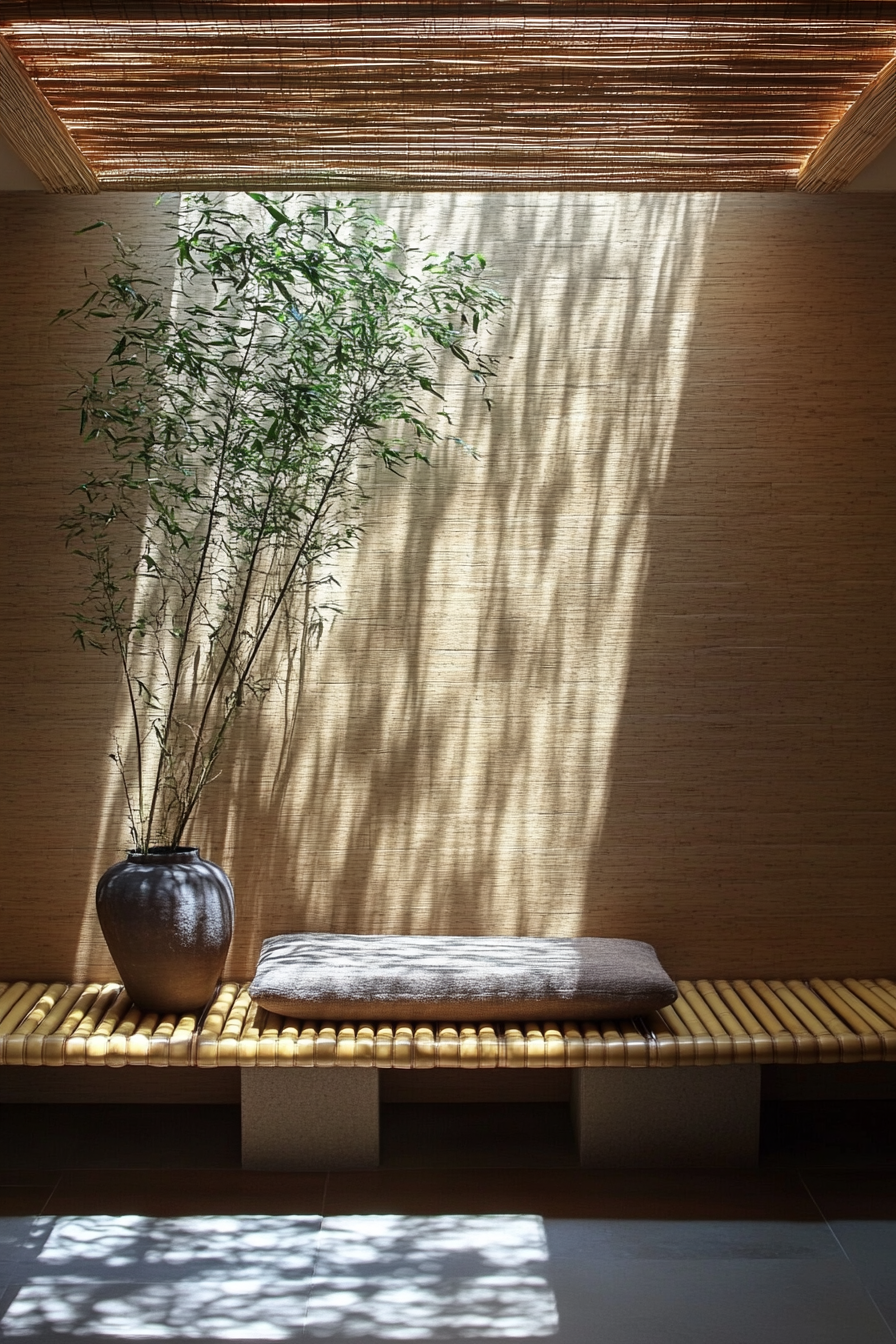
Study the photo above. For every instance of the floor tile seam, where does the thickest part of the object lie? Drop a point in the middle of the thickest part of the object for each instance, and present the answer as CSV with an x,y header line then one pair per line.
x,y
852,1264
56,1184
823,1216
873,1300
314,1263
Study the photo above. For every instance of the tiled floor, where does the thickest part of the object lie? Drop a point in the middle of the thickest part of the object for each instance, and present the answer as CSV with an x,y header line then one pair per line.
x,y
136,1223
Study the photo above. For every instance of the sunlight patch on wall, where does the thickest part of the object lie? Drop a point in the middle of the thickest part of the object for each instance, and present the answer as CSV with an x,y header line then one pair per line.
x,y
448,768
448,764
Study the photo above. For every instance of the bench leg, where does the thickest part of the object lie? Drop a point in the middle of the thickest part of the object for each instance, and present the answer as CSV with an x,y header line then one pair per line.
x,y
682,1117
310,1119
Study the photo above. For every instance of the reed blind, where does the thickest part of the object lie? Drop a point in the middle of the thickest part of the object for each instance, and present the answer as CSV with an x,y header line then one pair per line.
x,y
436,95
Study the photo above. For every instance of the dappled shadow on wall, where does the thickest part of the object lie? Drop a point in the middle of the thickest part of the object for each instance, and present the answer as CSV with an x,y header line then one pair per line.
x,y
750,825
447,765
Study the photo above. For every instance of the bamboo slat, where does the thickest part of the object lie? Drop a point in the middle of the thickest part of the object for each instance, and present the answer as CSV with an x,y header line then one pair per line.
x,y
39,1047
762,1045
20,1006
728,1023
640,95
848,1009
712,1022
17,1042
872,995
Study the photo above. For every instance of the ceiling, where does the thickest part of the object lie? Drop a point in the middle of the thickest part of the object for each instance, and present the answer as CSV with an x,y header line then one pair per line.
x,y
498,95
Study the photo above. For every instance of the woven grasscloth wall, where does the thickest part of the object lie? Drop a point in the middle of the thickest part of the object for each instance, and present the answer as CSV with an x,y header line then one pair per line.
x,y
630,673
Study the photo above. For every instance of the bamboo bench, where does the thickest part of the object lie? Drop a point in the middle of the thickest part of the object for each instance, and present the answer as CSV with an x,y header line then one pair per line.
x,y
711,1022
708,1118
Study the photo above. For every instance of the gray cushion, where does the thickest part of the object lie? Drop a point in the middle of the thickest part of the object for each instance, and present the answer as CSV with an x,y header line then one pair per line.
x,y
450,979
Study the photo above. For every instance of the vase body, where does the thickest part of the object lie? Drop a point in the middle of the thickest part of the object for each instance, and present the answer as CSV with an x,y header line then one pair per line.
x,y
167,916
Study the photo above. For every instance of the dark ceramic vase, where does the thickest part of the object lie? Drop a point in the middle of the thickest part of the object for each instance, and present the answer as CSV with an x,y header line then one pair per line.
x,y
167,916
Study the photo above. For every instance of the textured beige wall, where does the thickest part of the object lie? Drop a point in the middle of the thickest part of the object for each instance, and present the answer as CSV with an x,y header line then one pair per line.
x,y
631,673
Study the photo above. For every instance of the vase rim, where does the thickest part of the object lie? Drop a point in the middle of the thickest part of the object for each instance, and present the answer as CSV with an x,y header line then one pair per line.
x,y
164,854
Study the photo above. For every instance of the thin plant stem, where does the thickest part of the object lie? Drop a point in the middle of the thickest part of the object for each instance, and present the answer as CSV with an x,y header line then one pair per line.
x,y
284,590
194,595
232,425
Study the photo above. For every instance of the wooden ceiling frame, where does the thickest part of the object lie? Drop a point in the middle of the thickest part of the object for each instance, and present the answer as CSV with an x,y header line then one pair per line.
x,y
38,135
863,132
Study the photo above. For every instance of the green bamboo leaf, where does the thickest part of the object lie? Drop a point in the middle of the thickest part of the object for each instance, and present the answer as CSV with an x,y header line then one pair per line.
x,y
236,435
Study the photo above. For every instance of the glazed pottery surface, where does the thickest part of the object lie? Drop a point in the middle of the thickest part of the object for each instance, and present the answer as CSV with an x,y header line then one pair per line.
x,y
167,916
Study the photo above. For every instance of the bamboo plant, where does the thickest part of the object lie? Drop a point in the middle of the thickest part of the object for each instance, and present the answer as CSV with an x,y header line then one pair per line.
x,y
299,342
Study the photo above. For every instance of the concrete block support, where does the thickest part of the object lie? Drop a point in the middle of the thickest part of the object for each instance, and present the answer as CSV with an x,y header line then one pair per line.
x,y
685,1117
310,1119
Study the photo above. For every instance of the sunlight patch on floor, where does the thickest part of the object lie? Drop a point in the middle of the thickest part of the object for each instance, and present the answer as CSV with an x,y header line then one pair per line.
x,y
257,1277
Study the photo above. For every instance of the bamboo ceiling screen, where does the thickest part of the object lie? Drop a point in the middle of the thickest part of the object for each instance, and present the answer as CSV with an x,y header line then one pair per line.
x,y
448,95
